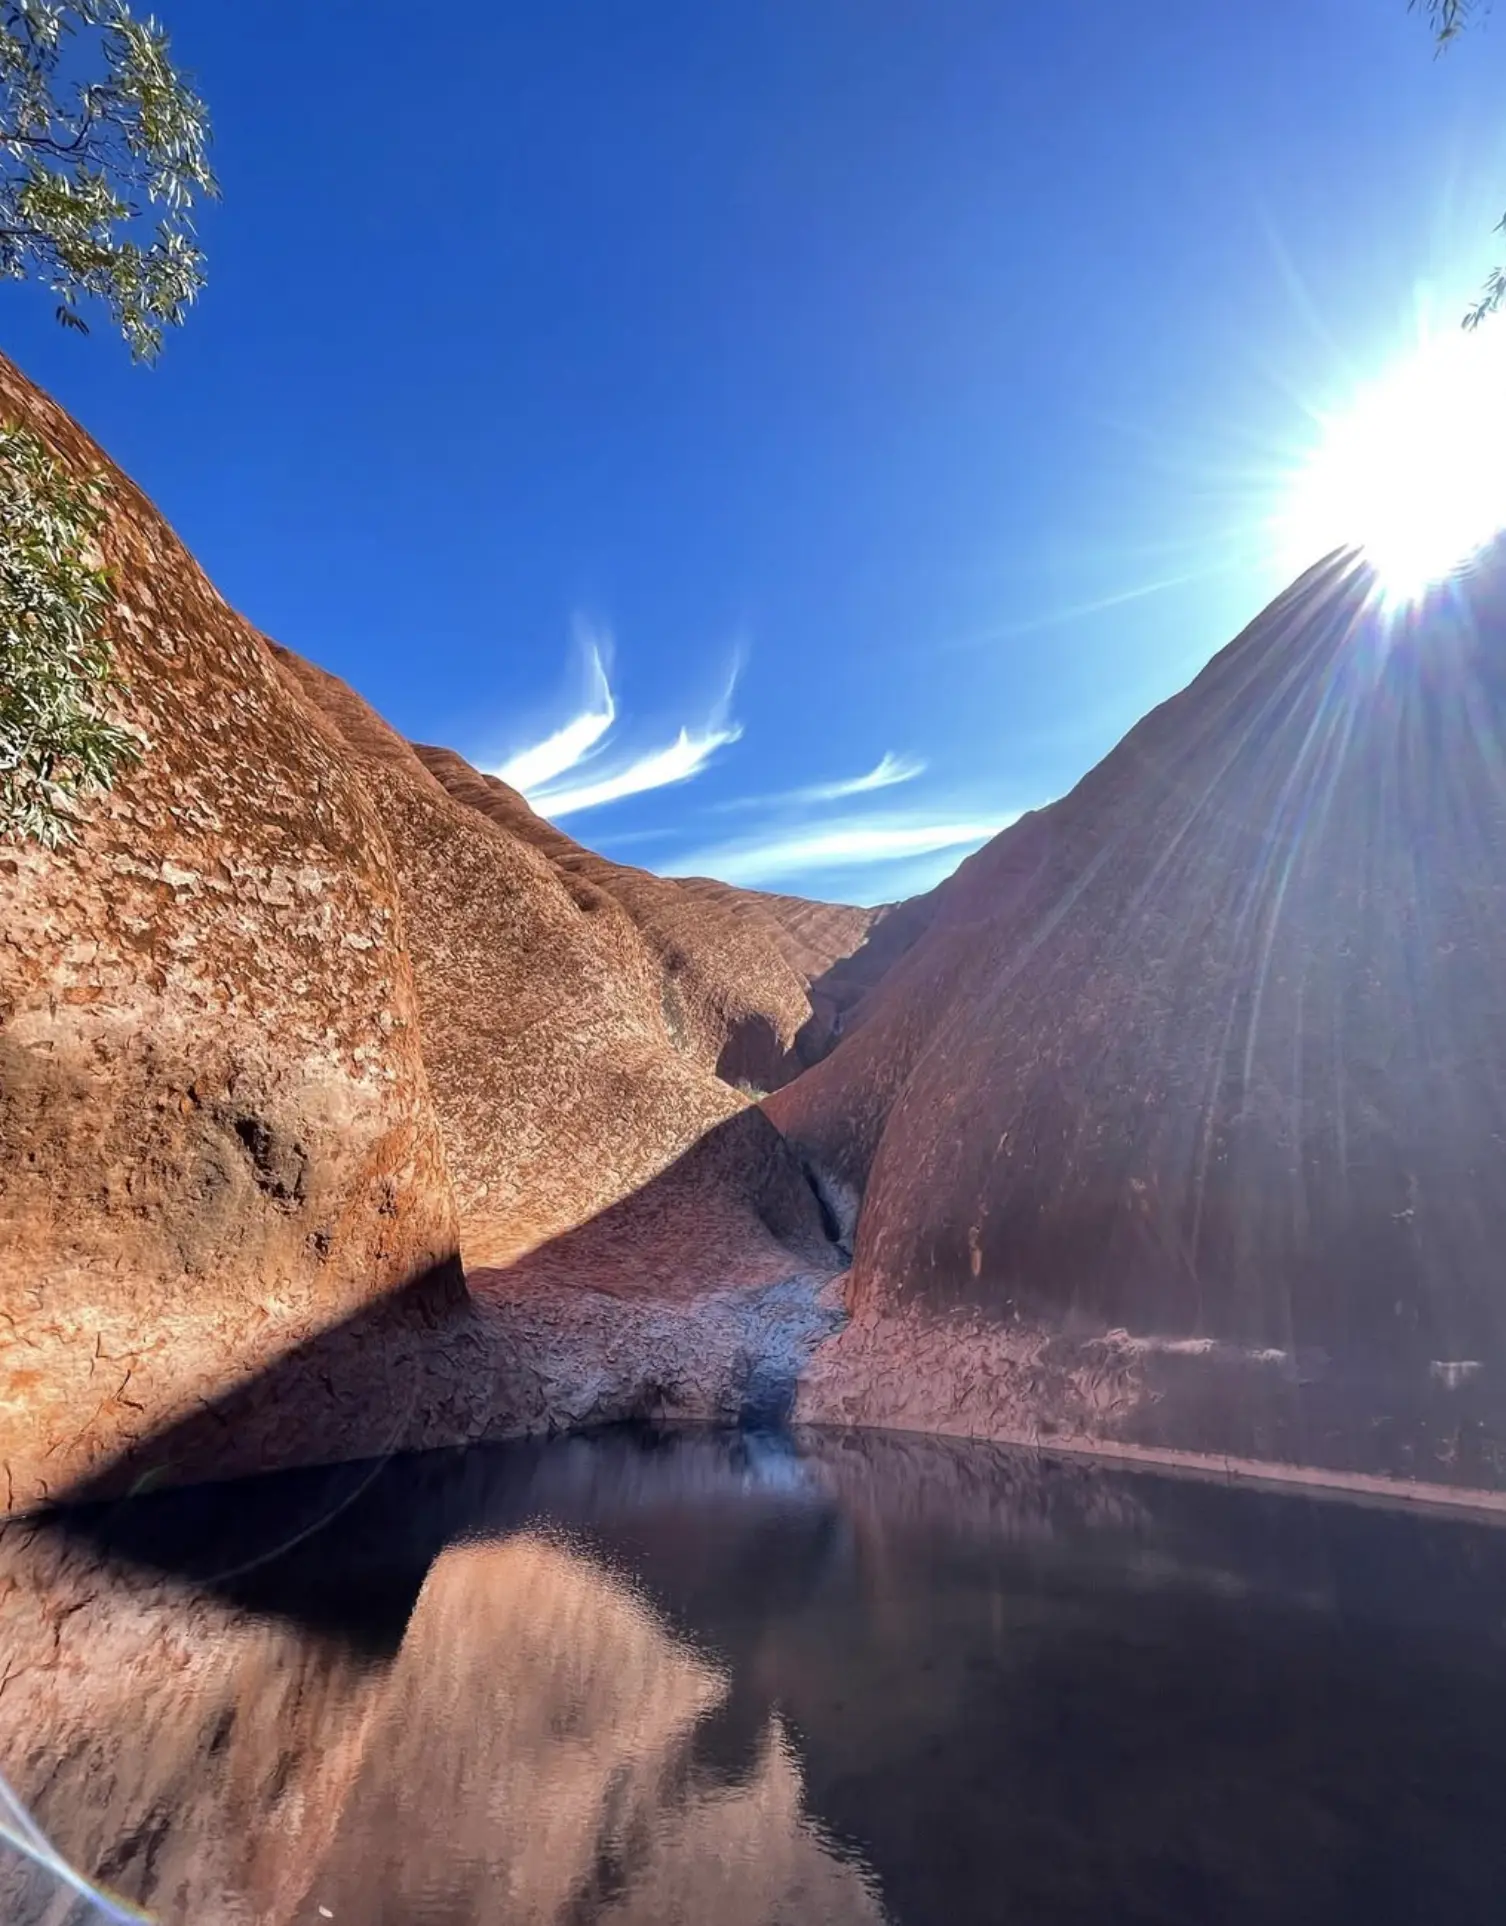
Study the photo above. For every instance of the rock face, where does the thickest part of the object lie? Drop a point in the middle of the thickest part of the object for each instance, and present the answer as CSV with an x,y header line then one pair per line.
x,y
216,1130
567,1069
736,967
306,1017
1182,1128
1173,1123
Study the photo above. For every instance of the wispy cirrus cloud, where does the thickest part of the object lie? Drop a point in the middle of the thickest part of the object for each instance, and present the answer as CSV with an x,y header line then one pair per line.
x,y
678,761
885,774
568,771
833,847
530,769
843,837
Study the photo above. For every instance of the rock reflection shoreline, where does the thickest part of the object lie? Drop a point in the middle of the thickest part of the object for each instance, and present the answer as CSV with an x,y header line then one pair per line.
x,y
699,1676
529,1752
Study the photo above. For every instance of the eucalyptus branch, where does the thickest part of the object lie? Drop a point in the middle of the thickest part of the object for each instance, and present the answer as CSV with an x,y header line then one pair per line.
x,y
57,673
79,163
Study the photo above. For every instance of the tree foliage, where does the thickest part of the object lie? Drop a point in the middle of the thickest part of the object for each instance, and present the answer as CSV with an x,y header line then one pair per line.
x,y
99,132
1448,19
57,675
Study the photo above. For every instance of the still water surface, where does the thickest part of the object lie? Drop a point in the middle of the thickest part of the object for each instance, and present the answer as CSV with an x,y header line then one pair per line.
x,y
715,1679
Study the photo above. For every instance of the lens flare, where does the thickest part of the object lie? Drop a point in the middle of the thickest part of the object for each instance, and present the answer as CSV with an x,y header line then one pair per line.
x,y
1413,473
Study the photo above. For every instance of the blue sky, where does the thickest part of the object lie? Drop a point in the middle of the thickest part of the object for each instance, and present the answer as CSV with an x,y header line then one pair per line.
x,y
805,435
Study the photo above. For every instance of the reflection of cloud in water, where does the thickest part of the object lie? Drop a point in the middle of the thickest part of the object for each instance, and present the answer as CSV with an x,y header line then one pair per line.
x,y
530,1757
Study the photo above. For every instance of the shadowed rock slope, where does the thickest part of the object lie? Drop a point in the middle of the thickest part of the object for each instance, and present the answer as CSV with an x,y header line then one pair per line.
x,y
307,1016
1182,1128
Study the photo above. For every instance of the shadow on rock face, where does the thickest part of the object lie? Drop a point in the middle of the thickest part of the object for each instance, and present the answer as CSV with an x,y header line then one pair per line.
x,y
410,1370
701,1295
754,1054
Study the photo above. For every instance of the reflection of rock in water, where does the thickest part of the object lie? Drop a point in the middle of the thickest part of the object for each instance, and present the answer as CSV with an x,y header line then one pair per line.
x,y
529,1758
543,1710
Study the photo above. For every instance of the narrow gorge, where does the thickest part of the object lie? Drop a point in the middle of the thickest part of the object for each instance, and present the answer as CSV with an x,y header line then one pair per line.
x,y
347,1105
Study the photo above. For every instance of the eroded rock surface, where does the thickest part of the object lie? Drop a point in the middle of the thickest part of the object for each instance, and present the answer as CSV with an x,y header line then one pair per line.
x,y
1182,1125
216,1130
1174,1122
575,1013
742,973
306,1018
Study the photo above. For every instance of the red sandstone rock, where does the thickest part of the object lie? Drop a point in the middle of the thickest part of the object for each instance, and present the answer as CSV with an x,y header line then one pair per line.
x,y
736,967
306,1009
1182,1126
1176,1116
574,1013
216,1133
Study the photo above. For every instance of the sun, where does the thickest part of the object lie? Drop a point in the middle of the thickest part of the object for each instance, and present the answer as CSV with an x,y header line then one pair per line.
x,y
1413,471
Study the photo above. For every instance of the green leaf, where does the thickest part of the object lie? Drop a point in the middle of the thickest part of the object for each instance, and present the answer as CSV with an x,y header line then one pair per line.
x,y
58,740
82,161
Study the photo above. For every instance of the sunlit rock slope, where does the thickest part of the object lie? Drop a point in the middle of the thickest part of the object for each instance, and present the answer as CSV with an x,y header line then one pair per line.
x,y
305,1018
1182,1127
345,1103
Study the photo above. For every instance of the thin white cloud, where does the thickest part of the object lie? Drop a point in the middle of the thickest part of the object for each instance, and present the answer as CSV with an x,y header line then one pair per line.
x,y
541,771
530,769
683,758
886,772
832,847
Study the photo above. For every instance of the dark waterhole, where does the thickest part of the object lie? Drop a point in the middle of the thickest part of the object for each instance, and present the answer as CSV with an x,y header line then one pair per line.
x,y
738,1680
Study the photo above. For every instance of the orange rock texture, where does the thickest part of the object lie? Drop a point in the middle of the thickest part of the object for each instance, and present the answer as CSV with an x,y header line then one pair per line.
x,y
305,1018
575,1013
345,1103
216,1130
